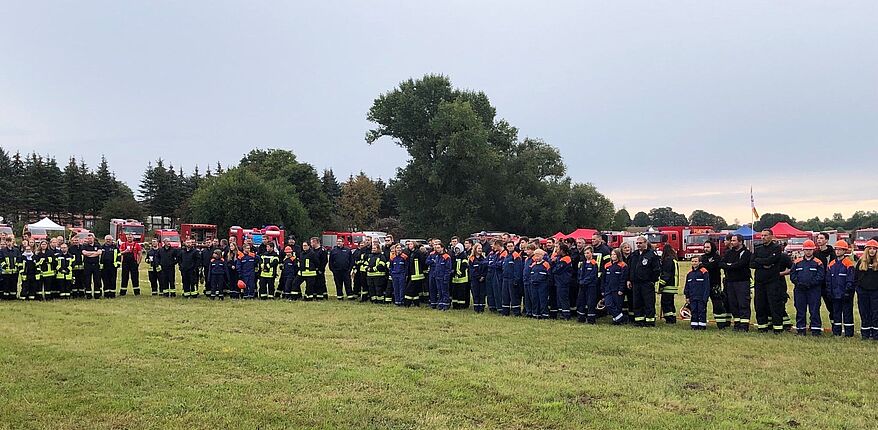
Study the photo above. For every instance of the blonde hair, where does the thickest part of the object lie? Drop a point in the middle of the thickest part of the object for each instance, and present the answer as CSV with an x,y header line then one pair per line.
x,y
867,262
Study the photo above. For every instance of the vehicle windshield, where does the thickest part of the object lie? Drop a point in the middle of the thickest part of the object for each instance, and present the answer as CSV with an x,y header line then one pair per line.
x,y
796,240
174,238
133,229
865,235
655,237
696,239
6,230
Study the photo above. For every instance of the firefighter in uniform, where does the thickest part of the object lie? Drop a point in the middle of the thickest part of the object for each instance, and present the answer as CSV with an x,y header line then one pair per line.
x,y
562,274
398,273
460,287
711,261
840,283
27,266
152,267
360,258
75,250
667,284
190,261
9,268
697,291
111,259
769,287
217,275
167,258
736,264
246,267
825,253
340,263
415,275
64,272
588,278
322,262
866,281
376,274
644,272
539,273
267,270
91,262
131,255
289,274
440,271
308,270
493,275
477,272
808,277
614,282
45,272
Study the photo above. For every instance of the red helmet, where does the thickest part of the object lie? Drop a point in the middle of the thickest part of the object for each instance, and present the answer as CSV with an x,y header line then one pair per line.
x,y
288,249
842,245
809,245
872,243
685,313
241,285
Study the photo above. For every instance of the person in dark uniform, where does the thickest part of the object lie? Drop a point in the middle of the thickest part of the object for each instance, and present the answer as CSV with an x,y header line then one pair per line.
x,y
111,259
190,262
340,263
644,272
769,287
91,268
9,268
322,262
75,250
168,258
825,253
153,267
131,256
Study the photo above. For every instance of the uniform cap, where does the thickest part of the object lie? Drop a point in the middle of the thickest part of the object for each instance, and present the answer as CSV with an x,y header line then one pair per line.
x,y
872,243
288,249
809,245
842,245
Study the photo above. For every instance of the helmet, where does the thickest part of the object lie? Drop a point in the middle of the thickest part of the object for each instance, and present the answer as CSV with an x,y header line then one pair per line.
x,y
809,244
872,243
842,245
241,285
288,249
601,305
685,313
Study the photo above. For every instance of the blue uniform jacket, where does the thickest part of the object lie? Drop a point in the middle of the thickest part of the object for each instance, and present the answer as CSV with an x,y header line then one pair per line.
x,y
808,273
246,266
341,259
562,271
399,266
615,277
840,278
478,269
512,266
218,268
540,271
697,285
442,268
588,273
290,267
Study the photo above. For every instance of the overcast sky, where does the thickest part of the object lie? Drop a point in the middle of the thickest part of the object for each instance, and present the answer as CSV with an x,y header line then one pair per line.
x,y
679,103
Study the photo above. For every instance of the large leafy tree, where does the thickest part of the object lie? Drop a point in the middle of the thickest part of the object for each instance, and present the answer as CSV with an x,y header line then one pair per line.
x,y
702,217
359,202
768,220
641,219
622,219
589,208
666,216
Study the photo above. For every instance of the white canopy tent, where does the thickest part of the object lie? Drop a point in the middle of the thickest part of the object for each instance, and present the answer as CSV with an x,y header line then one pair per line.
x,y
46,224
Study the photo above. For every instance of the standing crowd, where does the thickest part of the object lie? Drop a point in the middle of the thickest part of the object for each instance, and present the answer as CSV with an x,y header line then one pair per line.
x,y
520,277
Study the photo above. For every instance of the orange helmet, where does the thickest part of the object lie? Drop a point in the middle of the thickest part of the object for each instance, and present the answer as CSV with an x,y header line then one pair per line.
x,y
872,243
842,245
809,245
288,249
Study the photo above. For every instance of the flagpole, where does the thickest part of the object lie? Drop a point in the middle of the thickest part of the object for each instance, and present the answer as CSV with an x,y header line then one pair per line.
x,y
752,220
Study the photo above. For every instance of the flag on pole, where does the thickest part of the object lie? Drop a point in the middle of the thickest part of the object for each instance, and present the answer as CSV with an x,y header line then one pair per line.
x,y
753,205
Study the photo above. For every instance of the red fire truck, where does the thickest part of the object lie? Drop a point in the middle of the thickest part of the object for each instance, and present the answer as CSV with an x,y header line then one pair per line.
x,y
170,234
258,236
202,233
351,239
862,236
679,239
119,227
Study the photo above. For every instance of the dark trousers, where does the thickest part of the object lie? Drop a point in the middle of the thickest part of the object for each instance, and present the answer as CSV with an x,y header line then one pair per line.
x,y
669,308
10,286
189,278
249,286
130,270
360,287
541,297
460,295
827,300
721,313
769,303
92,278
738,297
506,299
477,289
64,286
266,287
552,299
868,304
587,303
292,287
29,288
493,291
167,281
321,286
153,282
108,280
562,297
699,314
412,293
377,285
644,303
46,285
807,300
343,288
443,287
613,302
628,302
434,292
217,285
843,316
572,295
398,284
78,288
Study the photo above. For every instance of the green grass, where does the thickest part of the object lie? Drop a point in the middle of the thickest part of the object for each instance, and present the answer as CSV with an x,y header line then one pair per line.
x,y
145,362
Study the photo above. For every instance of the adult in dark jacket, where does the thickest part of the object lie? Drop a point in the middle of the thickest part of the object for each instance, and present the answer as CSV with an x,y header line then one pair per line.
x,y
190,262
340,263
669,283
736,264
712,261
769,285
168,257
322,261
825,253
644,272
866,281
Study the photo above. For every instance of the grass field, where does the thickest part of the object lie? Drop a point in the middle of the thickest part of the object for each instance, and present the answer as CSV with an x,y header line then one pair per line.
x,y
147,362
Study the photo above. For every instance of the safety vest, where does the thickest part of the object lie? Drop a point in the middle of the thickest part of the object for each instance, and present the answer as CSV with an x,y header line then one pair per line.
x,y
417,275
117,258
268,266
9,265
46,266
374,269
461,274
65,267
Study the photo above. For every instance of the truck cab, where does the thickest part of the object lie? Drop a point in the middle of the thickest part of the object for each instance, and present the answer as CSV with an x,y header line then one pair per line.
x,y
862,236
173,235
203,234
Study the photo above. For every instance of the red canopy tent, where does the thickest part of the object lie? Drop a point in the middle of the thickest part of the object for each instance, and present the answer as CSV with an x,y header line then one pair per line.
x,y
784,230
558,235
583,233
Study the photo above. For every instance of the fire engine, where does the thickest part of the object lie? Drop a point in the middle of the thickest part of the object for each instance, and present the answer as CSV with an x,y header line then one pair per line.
x,y
351,240
862,236
120,227
614,239
203,234
693,244
170,234
258,236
